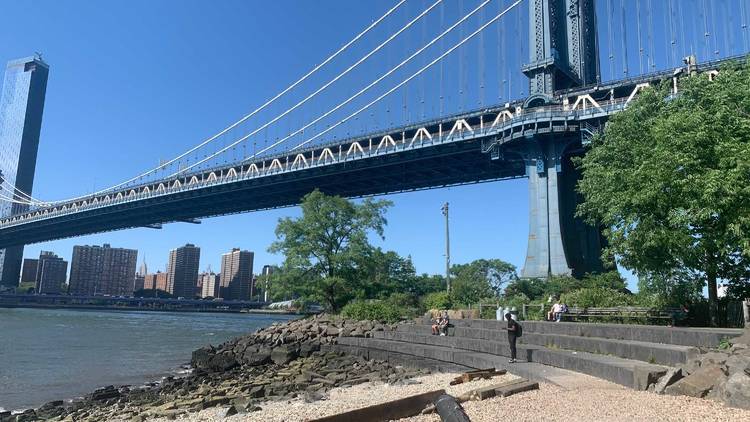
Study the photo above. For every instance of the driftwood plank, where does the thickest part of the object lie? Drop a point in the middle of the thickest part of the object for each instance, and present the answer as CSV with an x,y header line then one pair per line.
x,y
397,409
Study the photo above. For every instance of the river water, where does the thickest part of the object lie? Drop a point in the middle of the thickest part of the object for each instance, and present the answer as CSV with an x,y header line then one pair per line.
x,y
53,354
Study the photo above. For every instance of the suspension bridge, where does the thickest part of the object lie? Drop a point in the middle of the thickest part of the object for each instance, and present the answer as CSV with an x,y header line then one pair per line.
x,y
530,133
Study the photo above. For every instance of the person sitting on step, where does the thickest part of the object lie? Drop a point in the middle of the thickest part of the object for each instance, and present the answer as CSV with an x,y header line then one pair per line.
x,y
443,326
552,314
436,325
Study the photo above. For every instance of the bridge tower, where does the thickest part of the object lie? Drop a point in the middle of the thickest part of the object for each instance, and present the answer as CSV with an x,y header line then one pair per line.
x,y
562,54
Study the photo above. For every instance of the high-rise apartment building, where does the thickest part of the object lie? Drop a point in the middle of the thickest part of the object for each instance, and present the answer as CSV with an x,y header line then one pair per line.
x,y
210,283
102,270
236,275
28,273
182,270
21,108
52,271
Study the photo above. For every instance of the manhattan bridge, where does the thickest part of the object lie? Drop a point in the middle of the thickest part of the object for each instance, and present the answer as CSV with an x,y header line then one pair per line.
x,y
452,92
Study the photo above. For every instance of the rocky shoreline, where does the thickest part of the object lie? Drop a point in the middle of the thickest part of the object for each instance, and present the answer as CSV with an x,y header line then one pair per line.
x,y
280,362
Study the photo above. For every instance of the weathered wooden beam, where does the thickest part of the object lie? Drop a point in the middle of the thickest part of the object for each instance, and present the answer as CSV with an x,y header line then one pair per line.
x,y
397,409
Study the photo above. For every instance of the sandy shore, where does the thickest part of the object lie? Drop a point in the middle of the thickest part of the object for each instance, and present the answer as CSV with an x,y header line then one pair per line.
x,y
601,401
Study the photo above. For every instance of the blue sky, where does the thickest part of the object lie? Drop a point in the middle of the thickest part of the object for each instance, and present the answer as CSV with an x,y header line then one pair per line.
x,y
132,83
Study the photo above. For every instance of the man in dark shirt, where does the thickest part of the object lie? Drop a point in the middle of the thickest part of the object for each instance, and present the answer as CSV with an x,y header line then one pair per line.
x,y
512,331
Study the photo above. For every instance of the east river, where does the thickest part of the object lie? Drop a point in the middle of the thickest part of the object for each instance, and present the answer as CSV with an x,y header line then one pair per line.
x,y
54,354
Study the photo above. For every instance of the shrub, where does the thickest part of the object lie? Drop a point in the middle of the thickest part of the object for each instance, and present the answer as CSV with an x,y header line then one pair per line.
x,y
597,297
373,310
437,300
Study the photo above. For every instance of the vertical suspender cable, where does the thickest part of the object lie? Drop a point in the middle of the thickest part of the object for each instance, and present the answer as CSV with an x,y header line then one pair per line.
x,y
502,52
672,42
624,31
744,26
706,34
610,41
461,61
652,52
442,42
480,53
640,42
729,31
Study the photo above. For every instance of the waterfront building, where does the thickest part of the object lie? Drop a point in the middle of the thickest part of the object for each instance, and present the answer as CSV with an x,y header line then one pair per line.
x,y
21,107
28,273
52,271
236,275
102,270
210,283
156,281
182,270
139,282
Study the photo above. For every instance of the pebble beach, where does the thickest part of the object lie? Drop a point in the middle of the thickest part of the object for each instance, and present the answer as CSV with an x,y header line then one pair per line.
x,y
602,402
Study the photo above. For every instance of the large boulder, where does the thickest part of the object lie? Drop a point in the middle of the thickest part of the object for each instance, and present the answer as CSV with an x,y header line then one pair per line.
x,y
222,362
738,363
736,391
673,375
202,357
256,356
699,383
284,354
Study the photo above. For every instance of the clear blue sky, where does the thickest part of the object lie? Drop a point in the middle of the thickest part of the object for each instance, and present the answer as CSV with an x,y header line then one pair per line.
x,y
135,82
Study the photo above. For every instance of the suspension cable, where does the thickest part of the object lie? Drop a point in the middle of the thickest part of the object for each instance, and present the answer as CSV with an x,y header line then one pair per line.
x,y
493,20
347,101
257,110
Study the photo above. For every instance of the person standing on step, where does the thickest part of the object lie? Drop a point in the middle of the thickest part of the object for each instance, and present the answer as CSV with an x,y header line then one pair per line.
x,y
513,331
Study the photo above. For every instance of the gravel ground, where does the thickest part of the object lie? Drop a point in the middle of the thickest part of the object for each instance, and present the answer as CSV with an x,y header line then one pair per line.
x,y
549,403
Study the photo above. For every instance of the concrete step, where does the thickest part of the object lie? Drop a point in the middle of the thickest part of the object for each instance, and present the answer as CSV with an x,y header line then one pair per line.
x,y
663,354
633,374
683,336
493,347
386,350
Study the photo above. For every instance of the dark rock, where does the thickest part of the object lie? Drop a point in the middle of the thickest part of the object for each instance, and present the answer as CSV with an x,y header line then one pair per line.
x,y
672,376
736,391
283,354
222,362
256,356
202,357
699,383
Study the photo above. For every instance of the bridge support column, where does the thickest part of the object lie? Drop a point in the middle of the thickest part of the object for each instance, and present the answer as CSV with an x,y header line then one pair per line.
x,y
545,254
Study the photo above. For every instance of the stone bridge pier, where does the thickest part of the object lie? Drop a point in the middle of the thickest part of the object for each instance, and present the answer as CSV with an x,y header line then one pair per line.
x,y
558,243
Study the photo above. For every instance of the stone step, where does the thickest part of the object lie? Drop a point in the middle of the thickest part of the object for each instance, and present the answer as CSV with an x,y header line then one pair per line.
x,y
633,374
683,336
384,350
492,347
663,354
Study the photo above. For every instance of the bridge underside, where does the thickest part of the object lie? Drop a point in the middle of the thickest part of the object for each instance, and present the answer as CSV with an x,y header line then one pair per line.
x,y
442,165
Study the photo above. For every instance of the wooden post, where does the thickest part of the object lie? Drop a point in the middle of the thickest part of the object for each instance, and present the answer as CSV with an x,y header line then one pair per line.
x,y
450,410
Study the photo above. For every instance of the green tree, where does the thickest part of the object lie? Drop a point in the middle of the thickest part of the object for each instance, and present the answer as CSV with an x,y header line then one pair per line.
x,y
669,180
321,247
480,279
532,288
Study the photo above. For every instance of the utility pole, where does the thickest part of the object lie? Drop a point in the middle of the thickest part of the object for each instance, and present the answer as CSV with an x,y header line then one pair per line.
x,y
447,250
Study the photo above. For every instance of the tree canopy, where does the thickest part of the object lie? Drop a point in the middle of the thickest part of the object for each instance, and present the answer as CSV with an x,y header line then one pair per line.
x,y
669,181
323,247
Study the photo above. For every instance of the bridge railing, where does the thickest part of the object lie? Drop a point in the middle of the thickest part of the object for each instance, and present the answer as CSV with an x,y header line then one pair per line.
x,y
460,130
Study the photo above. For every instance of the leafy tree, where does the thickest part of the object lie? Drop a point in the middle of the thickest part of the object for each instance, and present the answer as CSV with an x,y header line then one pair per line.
x,y
669,180
609,280
531,288
321,247
383,273
669,289
479,279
